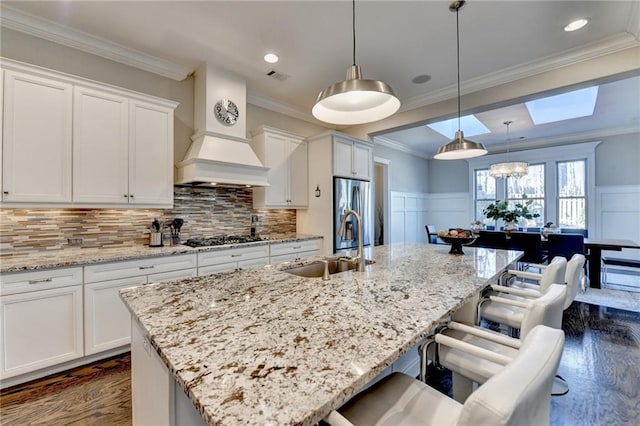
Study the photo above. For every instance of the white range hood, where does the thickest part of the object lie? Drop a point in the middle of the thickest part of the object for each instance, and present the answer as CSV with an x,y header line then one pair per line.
x,y
219,153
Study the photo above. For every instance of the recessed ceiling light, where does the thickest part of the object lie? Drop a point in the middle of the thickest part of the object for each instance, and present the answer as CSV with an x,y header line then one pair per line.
x,y
272,58
420,79
576,25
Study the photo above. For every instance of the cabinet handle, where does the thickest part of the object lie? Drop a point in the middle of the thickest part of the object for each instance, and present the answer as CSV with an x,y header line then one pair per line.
x,y
43,280
130,195
5,192
296,247
236,255
146,267
126,195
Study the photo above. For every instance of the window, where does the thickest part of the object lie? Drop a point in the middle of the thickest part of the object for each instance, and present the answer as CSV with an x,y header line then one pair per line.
x,y
572,198
485,192
531,185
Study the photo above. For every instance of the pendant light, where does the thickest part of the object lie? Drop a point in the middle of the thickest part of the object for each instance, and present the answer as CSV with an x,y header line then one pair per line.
x,y
459,148
509,168
354,100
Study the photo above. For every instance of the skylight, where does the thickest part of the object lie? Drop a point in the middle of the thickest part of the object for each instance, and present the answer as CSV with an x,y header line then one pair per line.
x,y
469,124
576,104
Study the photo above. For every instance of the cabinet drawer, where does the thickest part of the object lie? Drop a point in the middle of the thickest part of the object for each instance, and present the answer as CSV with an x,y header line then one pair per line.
x,y
294,247
293,256
232,255
22,282
172,275
134,268
216,269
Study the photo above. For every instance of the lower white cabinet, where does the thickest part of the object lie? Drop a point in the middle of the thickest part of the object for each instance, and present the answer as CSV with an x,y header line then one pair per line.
x,y
106,319
40,326
212,262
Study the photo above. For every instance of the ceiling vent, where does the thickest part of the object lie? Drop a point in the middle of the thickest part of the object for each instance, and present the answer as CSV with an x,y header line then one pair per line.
x,y
278,75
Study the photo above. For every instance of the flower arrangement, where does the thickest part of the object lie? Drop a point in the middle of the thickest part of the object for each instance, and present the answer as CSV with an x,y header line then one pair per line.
x,y
500,210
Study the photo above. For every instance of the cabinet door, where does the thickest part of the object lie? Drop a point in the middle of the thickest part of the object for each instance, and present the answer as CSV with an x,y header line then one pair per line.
x,y
36,139
276,156
298,174
100,147
150,154
40,329
107,321
342,158
362,161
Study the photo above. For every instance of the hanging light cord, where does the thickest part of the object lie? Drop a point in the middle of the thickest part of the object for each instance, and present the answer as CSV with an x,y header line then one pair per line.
x,y
458,58
353,17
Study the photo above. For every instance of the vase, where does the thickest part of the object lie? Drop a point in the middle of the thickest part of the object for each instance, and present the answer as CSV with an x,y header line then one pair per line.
x,y
510,226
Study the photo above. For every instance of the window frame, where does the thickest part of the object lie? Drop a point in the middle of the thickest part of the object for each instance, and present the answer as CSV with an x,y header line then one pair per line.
x,y
549,156
586,191
476,213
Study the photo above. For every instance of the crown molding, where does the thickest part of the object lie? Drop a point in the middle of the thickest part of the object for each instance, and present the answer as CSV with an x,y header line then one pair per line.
x,y
563,59
389,143
43,28
281,107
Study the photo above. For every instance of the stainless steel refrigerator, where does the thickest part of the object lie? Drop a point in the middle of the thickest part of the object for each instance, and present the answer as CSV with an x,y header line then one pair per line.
x,y
351,194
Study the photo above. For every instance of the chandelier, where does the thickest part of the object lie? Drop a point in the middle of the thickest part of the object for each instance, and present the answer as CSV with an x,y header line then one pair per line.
x,y
507,169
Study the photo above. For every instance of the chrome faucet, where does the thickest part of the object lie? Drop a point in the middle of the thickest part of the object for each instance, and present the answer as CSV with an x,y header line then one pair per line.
x,y
360,256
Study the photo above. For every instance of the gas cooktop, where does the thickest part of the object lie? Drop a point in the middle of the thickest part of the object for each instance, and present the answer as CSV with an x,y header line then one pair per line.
x,y
220,240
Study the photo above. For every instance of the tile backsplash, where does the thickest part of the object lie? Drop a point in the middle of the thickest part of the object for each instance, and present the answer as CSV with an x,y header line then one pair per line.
x,y
206,212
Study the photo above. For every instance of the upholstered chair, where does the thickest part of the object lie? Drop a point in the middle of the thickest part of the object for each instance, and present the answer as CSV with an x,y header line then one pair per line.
x,y
517,395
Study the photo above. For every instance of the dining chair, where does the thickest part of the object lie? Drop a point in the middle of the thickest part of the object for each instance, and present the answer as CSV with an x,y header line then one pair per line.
x,y
432,234
492,239
530,244
581,231
565,245
518,395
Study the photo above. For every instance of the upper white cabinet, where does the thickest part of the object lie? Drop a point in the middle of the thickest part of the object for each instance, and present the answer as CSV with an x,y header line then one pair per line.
x,y
352,159
69,141
285,154
100,147
36,157
150,153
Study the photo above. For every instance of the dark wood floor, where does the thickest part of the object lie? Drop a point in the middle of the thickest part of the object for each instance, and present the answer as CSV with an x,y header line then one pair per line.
x,y
601,363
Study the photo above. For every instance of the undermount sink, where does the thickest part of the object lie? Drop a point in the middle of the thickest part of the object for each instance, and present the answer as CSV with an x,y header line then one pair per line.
x,y
316,269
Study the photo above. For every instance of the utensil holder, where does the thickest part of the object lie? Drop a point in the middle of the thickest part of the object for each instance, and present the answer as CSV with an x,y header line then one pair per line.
x,y
155,239
175,238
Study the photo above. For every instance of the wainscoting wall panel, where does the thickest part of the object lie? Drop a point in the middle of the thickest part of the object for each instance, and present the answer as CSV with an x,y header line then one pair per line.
x,y
451,210
408,217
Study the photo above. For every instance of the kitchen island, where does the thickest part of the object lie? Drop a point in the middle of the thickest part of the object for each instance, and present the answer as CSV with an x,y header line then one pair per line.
x,y
263,346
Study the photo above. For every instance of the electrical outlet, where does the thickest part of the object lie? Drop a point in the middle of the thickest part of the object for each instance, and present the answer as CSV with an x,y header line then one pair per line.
x,y
75,241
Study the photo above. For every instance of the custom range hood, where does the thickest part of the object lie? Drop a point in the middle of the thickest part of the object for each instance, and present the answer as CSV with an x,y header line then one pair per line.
x,y
219,152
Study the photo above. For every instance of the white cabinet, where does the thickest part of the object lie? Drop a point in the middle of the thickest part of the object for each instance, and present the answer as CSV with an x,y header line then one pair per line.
x,y
40,320
352,159
285,154
107,321
212,262
285,252
150,154
72,142
36,157
100,147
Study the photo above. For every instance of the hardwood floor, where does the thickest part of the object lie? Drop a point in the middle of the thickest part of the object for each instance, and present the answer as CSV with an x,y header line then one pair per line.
x,y
94,394
601,363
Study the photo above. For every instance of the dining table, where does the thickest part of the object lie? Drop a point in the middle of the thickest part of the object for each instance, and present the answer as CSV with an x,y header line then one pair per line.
x,y
594,248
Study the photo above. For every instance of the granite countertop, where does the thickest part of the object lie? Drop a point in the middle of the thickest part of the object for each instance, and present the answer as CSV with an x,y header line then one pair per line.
x,y
263,346
85,256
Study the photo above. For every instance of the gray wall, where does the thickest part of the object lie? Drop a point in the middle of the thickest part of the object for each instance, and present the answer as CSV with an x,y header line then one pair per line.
x,y
618,160
448,176
408,172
